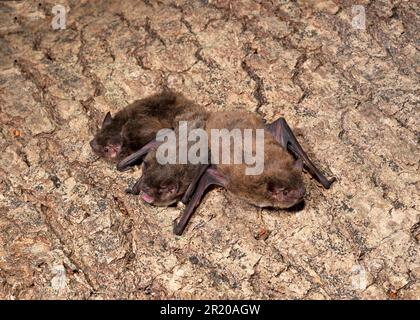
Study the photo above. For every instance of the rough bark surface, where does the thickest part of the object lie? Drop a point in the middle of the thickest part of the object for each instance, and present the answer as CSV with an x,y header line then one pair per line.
x,y
68,230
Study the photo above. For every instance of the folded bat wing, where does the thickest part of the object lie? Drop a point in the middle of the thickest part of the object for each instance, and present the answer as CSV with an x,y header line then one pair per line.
x,y
284,135
125,163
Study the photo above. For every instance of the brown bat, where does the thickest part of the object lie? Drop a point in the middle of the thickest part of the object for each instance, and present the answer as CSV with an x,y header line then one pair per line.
x,y
137,124
280,184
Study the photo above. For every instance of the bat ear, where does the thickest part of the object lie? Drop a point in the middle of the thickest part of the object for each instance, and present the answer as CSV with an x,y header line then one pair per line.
x,y
107,120
298,165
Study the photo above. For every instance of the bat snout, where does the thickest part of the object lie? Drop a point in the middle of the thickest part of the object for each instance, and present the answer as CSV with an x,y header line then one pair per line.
x,y
146,197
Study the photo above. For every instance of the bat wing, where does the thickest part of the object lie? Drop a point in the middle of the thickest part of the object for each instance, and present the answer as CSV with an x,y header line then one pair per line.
x,y
134,157
284,135
210,177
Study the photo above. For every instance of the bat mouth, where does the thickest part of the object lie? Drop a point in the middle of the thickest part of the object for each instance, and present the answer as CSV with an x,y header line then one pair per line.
x,y
146,197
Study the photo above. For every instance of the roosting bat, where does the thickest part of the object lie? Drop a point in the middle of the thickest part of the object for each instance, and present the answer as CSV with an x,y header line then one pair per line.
x,y
280,184
137,124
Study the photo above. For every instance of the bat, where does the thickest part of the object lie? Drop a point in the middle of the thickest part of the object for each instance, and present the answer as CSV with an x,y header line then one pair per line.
x,y
280,185
137,124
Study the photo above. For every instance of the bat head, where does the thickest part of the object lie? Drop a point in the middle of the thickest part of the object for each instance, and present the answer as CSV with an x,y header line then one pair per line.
x,y
286,189
279,186
163,185
108,142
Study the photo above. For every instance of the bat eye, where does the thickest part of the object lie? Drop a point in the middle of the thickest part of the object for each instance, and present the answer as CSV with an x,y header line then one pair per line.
x,y
285,192
106,149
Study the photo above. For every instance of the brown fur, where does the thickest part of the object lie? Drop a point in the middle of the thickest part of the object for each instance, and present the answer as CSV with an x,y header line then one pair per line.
x,y
279,185
165,184
137,124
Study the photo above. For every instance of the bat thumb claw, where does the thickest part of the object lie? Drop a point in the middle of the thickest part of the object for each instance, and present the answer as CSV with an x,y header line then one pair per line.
x,y
330,182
